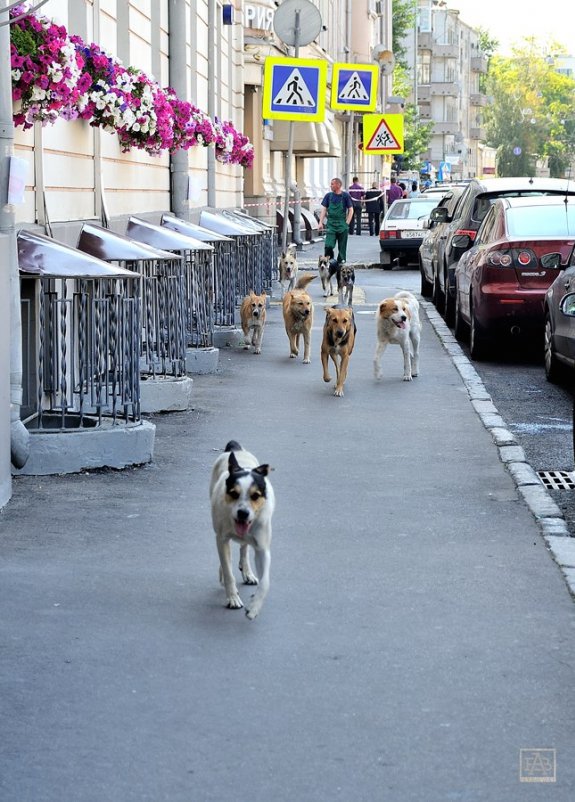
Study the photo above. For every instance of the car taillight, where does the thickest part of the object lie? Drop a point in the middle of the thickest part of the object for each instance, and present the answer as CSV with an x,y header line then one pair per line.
x,y
512,258
500,259
466,232
388,234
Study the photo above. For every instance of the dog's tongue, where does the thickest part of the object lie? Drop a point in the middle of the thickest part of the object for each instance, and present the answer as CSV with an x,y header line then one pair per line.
x,y
242,528
401,325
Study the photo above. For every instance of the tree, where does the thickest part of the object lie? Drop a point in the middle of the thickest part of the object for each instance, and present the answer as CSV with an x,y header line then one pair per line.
x,y
531,116
417,135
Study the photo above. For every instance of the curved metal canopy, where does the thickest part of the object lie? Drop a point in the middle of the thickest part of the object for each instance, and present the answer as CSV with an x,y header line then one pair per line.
x,y
42,256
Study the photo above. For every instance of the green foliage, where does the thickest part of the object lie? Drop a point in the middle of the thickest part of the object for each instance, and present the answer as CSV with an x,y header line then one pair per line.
x,y
23,41
403,12
532,109
417,135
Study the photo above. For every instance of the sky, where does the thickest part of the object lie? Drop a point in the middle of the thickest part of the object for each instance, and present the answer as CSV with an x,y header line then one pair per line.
x,y
510,21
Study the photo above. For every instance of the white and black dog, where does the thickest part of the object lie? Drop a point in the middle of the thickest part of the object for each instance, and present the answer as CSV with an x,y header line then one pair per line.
x,y
344,275
242,501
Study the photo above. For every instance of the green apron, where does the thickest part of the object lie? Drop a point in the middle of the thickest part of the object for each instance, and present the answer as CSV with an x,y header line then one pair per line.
x,y
337,229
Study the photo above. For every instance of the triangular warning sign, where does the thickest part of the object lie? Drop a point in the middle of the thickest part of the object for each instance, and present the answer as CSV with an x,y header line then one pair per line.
x,y
354,89
383,139
294,92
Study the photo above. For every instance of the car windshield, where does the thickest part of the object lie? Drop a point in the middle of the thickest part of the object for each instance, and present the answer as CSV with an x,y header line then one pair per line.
x,y
541,221
403,210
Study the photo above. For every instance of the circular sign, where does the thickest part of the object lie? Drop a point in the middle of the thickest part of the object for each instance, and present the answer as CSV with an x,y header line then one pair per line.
x,y
285,22
517,151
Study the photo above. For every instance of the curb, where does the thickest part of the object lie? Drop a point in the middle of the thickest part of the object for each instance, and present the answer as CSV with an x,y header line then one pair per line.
x,y
542,506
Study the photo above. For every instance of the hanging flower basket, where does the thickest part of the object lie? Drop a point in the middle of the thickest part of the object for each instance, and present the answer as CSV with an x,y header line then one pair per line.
x,y
57,76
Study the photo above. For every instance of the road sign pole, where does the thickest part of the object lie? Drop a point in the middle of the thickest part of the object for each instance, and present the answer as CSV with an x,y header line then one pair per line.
x,y
289,157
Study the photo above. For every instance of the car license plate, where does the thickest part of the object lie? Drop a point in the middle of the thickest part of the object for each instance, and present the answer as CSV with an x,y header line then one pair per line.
x,y
411,234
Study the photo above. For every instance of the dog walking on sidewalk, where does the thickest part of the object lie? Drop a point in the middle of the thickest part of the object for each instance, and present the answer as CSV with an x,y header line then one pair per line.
x,y
298,317
398,322
338,341
242,501
253,318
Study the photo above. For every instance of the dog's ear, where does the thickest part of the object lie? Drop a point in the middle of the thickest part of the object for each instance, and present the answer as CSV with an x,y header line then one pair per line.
x,y
233,464
263,470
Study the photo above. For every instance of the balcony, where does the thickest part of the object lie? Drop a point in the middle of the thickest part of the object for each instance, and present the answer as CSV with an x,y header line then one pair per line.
x,y
423,93
446,128
445,51
477,133
478,99
425,113
425,40
479,64
446,89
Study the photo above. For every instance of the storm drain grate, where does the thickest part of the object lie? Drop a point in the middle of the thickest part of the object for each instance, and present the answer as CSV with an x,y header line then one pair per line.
x,y
558,480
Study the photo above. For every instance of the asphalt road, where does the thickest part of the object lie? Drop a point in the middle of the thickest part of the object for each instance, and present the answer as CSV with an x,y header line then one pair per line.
x,y
417,635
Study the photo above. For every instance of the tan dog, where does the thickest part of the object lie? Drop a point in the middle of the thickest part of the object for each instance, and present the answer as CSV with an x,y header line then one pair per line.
x,y
253,318
338,340
398,322
298,317
288,268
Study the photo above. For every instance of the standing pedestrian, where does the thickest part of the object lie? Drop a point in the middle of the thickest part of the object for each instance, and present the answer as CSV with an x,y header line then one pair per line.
x,y
374,208
356,192
394,191
337,206
414,190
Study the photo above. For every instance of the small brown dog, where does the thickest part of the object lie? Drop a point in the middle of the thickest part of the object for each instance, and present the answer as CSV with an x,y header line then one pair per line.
x,y
298,317
338,341
288,267
253,318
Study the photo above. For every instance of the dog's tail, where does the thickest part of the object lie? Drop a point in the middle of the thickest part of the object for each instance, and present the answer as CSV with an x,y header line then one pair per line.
x,y
304,280
233,445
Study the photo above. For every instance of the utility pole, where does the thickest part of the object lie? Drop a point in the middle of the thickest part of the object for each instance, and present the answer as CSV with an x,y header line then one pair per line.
x,y
19,435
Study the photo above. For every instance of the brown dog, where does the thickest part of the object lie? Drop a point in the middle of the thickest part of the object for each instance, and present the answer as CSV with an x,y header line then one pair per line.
x,y
338,341
298,317
253,318
288,268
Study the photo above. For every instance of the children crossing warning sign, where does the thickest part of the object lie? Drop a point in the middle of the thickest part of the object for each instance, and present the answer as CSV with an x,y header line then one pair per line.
x,y
383,133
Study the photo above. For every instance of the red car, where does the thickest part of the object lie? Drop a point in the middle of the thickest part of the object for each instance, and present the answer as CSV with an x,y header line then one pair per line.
x,y
500,282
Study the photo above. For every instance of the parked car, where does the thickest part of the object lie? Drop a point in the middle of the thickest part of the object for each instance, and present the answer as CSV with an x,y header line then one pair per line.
x,y
472,208
559,338
402,229
502,278
428,249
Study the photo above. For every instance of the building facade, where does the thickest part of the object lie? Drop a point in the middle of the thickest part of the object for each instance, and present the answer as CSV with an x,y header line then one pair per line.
x,y
212,54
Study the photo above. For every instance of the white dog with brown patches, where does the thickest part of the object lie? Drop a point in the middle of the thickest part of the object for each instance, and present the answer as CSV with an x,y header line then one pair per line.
x,y
398,322
242,501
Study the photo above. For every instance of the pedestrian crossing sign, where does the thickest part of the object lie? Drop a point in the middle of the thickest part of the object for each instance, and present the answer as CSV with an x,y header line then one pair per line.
x,y
294,89
354,87
383,133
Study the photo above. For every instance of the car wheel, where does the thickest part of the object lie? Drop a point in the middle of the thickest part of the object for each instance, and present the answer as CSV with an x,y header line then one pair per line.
x,y
437,297
449,303
460,329
426,286
552,365
478,343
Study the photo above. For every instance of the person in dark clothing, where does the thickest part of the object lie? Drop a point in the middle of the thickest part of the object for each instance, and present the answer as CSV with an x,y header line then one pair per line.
x,y
356,193
374,208
337,207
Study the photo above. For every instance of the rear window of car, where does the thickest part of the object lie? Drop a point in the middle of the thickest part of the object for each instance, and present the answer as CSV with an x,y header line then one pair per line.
x,y
483,202
541,221
403,210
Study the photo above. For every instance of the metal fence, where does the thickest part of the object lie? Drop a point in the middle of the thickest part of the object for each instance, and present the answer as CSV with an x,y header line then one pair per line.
x,y
82,357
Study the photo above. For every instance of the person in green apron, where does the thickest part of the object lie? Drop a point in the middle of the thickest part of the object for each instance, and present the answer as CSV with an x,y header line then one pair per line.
x,y
337,206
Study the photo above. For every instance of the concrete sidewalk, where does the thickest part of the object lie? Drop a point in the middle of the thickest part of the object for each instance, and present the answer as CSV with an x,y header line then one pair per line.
x,y
416,638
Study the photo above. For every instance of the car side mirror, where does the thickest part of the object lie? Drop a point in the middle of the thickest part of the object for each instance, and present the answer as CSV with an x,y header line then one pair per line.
x,y
567,304
462,241
438,215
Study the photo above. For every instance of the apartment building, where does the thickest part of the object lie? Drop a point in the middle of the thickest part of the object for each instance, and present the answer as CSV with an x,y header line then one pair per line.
x,y
446,64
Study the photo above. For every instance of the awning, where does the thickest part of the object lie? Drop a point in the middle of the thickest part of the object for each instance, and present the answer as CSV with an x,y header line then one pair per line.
x,y
162,237
42,256
310,139
193,230
109,246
